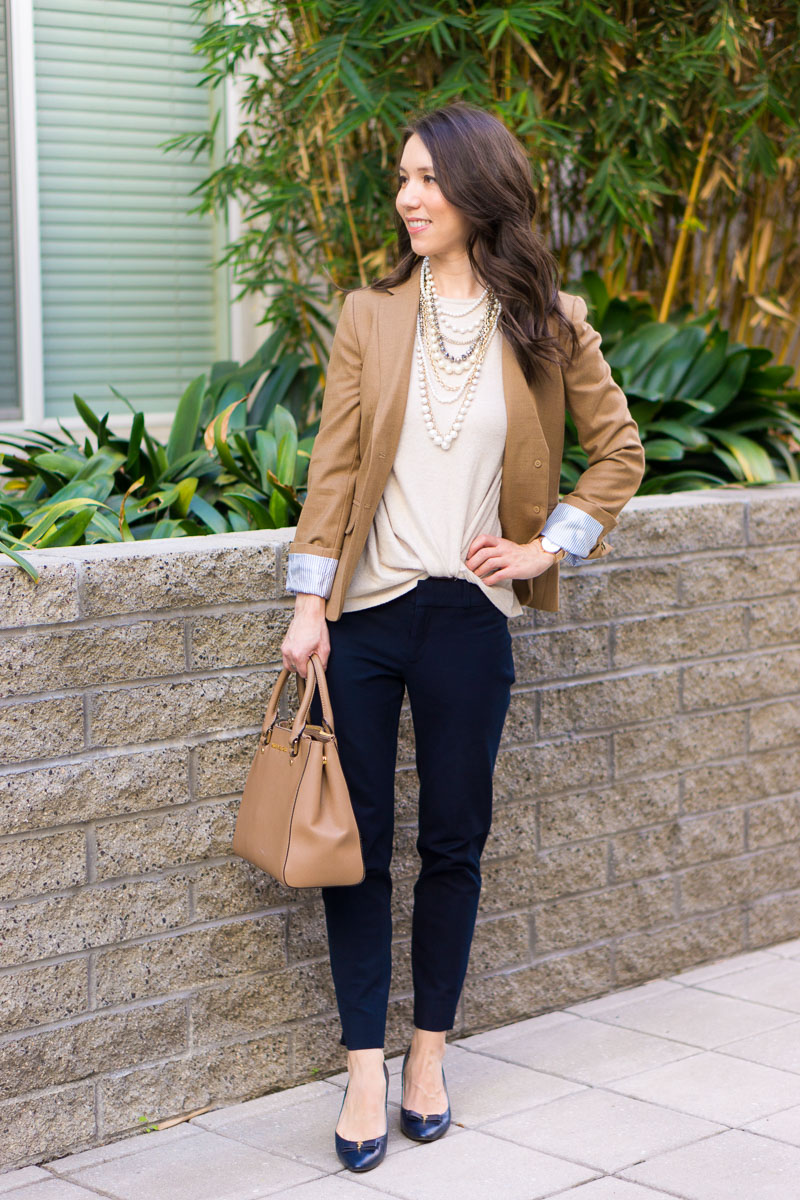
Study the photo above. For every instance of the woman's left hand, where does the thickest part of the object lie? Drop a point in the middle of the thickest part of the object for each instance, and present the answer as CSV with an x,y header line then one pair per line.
x,y
496,558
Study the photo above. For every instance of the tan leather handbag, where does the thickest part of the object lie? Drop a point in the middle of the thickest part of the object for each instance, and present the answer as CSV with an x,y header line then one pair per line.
x,y
295,818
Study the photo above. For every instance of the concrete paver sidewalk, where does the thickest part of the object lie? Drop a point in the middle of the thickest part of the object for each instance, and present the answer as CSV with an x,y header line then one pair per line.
x,y
686,1087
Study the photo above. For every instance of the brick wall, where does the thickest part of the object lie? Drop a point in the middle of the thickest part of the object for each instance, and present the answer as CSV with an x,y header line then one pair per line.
x,y
647,809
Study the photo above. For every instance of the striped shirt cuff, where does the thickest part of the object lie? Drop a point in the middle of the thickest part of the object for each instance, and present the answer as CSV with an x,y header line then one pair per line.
x,y
311,573
577,531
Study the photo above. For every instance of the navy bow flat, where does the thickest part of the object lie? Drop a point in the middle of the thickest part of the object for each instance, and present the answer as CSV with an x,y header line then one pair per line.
x,y
366,1154
416,1126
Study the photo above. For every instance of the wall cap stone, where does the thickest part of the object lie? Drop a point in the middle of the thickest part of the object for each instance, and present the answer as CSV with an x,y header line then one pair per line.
x,y
720,495
274,538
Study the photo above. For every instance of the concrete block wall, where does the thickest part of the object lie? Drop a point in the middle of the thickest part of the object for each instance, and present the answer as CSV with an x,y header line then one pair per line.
x,y
647,809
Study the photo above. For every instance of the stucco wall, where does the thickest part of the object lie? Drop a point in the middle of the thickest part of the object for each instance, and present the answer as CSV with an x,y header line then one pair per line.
x,y
647,809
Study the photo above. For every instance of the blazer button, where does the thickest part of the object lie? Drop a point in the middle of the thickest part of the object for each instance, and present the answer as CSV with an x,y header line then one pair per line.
x,y
538,462
536,508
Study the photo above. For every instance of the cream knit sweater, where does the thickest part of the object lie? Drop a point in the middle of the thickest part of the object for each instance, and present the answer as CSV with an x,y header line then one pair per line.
x,y
437,501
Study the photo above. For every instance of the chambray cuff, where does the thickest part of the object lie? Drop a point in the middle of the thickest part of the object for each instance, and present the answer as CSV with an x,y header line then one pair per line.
x,y
310,573
573,529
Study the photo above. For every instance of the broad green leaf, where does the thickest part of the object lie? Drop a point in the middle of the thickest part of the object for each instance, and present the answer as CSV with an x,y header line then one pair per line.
x,y
662,377
639,348
42,518
102,529
788,459
167,527
246,451
706,367
185,425
134,443
185,491
722,392
769,377
730,462
754,461
68,533
287,456
97,487
689,435
664,448
216,435
267,455
63,464
209,515
19,560
679,480
242,502
86,413
702,406
102,462
285,493
279,509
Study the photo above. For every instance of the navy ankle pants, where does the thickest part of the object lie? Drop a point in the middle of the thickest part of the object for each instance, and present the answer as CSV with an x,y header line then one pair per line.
x,y
450,647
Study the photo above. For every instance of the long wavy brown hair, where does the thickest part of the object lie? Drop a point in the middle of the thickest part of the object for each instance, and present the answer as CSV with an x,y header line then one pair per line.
x,y
483,170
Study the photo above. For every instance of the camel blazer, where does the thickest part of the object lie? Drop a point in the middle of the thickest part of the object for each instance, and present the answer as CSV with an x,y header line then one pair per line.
x,y
362,416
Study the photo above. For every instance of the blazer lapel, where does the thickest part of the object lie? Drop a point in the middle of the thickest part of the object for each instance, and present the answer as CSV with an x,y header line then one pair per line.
x,y
397,318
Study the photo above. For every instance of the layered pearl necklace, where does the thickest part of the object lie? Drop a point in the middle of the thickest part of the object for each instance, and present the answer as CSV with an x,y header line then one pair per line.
x,y
457,374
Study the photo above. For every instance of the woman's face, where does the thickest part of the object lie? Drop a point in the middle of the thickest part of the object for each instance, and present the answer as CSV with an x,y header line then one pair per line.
x,y
435,226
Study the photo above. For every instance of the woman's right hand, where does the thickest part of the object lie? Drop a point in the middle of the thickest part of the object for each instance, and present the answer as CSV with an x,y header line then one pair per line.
x,y
307,634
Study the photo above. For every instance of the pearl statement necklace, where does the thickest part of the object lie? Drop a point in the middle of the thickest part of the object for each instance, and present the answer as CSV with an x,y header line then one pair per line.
x,y
434,359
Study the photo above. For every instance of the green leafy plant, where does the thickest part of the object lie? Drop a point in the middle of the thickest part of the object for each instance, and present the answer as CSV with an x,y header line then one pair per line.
x,y
710,411
664,137
234,460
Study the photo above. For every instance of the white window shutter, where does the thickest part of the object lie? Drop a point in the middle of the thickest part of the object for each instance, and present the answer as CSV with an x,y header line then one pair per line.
x,y
129,294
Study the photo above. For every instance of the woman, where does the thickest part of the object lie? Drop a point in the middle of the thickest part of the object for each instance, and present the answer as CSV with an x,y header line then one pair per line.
x,y
432,516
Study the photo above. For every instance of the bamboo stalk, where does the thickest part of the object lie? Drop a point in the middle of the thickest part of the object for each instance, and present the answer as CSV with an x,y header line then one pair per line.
x,y
636,256
342,174
348,208
507,68
691,267
747,298
677,258
722,258
315,197
303,314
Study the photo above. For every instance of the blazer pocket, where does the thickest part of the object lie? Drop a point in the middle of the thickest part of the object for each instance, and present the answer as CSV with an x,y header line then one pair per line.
x,y
352,518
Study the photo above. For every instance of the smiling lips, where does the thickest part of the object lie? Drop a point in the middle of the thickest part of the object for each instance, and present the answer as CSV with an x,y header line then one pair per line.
x,y
416,225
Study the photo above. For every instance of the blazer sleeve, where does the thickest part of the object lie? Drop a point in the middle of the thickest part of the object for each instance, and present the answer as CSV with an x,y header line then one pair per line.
x,y
335,457
606,431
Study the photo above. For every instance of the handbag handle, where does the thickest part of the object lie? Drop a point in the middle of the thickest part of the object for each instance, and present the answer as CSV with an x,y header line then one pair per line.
x,y
317,679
